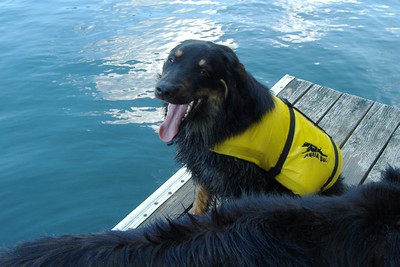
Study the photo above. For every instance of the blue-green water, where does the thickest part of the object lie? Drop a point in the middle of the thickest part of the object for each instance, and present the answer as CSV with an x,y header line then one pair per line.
x,y
78,120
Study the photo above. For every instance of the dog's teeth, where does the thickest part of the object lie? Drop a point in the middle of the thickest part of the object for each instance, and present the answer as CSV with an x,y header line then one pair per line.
x,y
189,108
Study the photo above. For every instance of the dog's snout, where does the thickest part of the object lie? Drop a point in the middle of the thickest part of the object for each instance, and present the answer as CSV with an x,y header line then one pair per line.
x,y
163,91
166,91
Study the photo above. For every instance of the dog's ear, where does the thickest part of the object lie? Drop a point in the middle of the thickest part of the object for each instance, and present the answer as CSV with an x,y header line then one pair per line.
x,y
230,58
236,71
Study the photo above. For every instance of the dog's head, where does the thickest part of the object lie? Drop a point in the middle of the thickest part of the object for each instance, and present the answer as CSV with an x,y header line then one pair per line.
x,y
196,76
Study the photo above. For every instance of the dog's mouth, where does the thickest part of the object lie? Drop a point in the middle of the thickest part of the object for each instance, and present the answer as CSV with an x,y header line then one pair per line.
x,y
175,115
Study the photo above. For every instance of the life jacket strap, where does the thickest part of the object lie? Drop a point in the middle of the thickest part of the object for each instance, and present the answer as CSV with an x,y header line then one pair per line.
x,y
274,171
335,168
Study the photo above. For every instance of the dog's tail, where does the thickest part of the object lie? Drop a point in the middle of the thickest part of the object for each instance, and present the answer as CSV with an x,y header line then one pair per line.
x,y
105,249
184,242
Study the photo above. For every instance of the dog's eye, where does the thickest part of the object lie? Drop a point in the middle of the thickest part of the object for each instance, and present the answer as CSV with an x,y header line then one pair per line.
x,y
204,73
171,59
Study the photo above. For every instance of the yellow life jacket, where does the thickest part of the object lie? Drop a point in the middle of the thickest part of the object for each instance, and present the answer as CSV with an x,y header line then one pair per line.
x,y
303,157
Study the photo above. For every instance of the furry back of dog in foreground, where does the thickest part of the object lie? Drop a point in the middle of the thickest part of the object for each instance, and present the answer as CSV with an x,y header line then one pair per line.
x,y
211,98
359,228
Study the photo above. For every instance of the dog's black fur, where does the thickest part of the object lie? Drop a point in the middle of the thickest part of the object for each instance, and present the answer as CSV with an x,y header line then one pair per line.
x,y
227,100
358,228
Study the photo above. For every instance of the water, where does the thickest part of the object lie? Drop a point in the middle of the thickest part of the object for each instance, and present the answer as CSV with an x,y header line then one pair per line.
x,y
78,121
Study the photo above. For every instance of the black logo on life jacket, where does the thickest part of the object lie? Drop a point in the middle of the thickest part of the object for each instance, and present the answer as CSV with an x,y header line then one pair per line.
x,y
314,152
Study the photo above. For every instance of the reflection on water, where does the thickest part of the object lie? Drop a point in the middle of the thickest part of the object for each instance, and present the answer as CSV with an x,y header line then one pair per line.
x,y
309,20
306,20
146,116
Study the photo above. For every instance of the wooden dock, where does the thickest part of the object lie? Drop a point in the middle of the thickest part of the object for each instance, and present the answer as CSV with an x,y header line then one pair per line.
x,y
368,133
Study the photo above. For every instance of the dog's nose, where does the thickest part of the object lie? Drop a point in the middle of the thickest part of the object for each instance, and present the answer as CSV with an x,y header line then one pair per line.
x,y
165,91
162,92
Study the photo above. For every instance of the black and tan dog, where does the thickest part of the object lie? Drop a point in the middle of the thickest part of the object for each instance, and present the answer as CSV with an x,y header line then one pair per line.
x,y
359,228
234,136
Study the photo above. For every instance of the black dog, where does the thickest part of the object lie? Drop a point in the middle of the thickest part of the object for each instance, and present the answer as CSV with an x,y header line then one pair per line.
x,y
212,102
358,228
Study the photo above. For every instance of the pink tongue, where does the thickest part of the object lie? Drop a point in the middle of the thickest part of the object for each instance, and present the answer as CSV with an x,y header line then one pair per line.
x,y
170,127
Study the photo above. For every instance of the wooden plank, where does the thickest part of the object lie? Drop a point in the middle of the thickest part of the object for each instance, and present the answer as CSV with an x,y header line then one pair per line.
x,y
180,203
295,89
281,84
155,200
317,101
367,142
344,117
390,156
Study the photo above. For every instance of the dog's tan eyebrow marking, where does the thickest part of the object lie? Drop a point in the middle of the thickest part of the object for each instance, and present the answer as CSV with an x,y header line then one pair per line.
x,y
202,62
179,53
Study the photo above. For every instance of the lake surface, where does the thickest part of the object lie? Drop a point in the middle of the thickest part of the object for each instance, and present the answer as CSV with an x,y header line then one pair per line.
x,y
78,119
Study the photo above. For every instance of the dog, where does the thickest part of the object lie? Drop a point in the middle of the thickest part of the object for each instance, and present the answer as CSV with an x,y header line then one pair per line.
x,y
358,228
235,136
